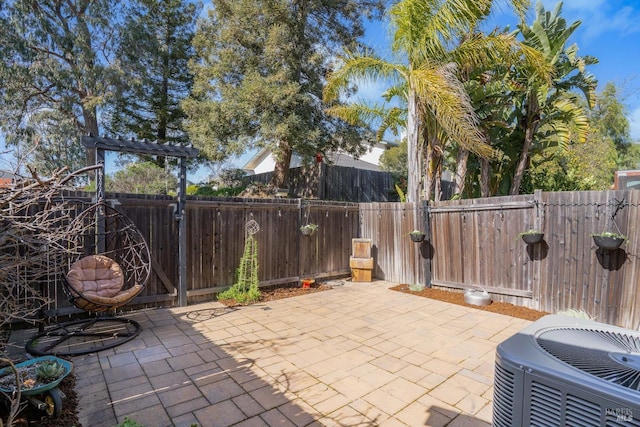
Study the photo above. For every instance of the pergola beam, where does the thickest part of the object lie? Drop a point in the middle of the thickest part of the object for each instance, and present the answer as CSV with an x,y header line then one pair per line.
x,y
138,147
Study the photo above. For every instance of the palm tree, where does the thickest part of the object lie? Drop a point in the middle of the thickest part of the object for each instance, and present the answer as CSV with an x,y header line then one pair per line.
x,y
430,37
547,113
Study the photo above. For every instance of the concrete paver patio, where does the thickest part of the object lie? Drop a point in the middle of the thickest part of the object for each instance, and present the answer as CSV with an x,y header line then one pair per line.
x,y
356,355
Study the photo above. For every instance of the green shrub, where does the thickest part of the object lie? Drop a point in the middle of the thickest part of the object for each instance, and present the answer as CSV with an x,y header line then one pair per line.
x,y
128,422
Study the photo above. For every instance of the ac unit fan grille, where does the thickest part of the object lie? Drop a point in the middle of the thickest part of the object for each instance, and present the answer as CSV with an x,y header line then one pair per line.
x,y
612,356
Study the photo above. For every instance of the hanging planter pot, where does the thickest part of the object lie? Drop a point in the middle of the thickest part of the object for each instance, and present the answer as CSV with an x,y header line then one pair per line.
x,y
609,241
417,236
308,229
531,237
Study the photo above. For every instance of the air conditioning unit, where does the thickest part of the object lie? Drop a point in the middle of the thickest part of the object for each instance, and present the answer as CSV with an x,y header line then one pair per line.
x,y
563,371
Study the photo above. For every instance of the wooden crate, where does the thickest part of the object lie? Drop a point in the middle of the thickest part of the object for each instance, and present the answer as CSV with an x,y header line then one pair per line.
x,y
363,263
360,275
361,248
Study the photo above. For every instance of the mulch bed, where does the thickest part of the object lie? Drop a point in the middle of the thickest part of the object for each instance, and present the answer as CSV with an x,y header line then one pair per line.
x,y
273,293
276,293
458,298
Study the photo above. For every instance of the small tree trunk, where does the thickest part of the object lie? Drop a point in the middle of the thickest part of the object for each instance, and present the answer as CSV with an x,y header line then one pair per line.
x,y
428,173
280,176
90,127
437,185
434,166
461,170
485,178
523,163
531,124
413,158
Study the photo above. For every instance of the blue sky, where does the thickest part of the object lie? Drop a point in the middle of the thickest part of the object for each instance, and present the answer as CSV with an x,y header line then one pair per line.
x,y
610,31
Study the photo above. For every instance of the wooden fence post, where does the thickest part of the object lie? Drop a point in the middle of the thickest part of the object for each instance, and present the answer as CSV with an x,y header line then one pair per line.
x,y
425,248
539,223
181,217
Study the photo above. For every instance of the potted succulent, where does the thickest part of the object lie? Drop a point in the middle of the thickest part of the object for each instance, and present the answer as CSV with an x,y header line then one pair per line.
x,y
308,229
532,236
417,236
608,240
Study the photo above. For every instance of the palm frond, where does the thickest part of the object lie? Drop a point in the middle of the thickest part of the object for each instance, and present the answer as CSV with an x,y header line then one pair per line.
x,y
444,96
364,114
363,67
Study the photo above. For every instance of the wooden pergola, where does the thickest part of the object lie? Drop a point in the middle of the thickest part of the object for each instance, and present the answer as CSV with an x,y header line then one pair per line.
x,y
103,144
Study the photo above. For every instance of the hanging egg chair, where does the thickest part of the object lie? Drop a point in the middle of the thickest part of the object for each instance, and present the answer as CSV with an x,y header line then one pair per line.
x,y
108,265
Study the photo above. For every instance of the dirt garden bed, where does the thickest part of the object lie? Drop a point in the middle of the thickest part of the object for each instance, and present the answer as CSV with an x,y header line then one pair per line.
x,y
458,298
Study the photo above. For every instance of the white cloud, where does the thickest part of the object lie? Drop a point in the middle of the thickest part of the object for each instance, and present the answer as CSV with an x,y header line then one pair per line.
x,y
602,18
598,17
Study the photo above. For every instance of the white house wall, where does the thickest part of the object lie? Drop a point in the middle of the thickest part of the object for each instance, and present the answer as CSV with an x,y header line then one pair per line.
x,y
264,162
372,155
269,164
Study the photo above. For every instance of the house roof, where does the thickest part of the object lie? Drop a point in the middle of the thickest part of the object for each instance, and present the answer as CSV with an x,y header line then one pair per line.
x,y
7,178
345,160
257,158
338,159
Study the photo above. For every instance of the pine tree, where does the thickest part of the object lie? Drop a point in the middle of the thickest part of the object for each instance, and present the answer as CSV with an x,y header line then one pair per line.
x,y
153,54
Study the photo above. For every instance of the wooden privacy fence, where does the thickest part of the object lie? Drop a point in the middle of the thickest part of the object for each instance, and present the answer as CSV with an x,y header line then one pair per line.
x,y
216,240
477,243
469,243
216,237
396,257
329,182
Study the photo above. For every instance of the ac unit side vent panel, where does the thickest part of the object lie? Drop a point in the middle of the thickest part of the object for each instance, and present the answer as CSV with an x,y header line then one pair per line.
x,y
545,405
621,420
568,372
612,356
580,412
503,398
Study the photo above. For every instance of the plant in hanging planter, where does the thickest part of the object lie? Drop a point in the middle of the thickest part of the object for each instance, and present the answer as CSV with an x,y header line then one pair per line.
x,y
308,229
608,240
532,236
417,236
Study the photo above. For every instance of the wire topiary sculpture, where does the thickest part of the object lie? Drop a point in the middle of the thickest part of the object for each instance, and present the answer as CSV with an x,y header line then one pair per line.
x,y
246,289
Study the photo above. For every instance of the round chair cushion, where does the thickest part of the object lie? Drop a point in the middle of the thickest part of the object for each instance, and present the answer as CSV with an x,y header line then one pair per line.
x,y
96,276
